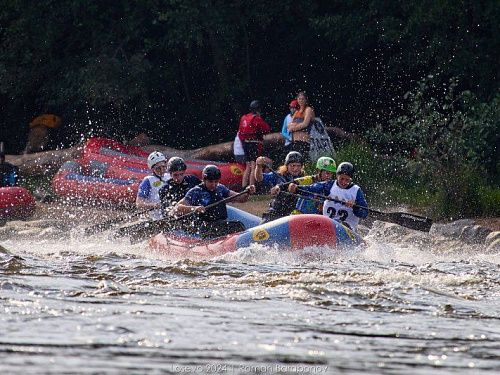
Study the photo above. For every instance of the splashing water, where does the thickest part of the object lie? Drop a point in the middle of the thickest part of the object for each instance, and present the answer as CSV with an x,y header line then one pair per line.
x,y
399,304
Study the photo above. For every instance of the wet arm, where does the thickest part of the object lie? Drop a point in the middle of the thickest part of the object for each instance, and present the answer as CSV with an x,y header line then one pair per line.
x,y
360,201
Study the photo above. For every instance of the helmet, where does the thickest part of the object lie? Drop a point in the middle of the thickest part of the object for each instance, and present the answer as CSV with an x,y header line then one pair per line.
x,y
326,164
154,158
211,172
346,168
293,157
176,164
254,105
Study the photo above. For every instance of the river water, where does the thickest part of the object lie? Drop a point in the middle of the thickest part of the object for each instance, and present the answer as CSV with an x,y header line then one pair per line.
x,y
94,305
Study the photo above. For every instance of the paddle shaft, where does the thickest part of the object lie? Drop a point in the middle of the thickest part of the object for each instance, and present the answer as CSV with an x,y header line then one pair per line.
x,y
151,228
402,218
108,224
225,200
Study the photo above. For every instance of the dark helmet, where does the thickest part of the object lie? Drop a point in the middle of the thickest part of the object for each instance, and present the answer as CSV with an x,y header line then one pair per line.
x,y
346,168
176,164
211,172
293,157
254,105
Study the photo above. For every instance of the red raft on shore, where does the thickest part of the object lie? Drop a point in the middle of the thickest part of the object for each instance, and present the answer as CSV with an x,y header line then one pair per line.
x,y
74,182
16,203
290,233
110,171
112,159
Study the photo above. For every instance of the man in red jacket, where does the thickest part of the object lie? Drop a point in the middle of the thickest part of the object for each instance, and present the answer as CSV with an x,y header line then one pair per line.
x,y
251,132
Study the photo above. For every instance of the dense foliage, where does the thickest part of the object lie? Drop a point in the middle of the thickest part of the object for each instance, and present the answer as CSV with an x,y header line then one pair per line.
x,y
417,78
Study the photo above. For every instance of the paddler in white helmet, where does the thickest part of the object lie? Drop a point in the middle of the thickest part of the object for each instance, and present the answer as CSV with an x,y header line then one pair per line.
x,y
148,193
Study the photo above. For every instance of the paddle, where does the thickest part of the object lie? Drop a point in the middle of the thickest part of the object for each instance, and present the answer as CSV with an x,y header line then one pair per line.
x,y
143,230
100,227
404,219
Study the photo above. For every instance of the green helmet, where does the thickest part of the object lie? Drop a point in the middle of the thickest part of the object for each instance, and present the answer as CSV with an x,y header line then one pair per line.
x,y
326,164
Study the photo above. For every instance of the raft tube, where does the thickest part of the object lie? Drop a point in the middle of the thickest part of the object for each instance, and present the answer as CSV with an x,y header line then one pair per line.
x,y
289,233
16,203
71,181
112,159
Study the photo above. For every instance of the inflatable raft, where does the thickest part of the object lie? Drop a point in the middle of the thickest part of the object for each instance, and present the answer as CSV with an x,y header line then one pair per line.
x,y
72,181
289,233
112,159
16,203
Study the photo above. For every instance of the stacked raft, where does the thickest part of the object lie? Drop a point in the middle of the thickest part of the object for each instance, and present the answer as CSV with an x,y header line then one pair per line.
x,y
111,171
16,203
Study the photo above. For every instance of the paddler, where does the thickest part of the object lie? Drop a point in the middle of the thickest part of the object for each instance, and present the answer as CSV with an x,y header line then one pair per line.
x,y
348,211
276,183
325,171
177,185
148,194
211,222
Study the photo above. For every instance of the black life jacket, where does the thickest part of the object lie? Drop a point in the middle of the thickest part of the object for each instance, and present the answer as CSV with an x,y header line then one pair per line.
x,y
173,192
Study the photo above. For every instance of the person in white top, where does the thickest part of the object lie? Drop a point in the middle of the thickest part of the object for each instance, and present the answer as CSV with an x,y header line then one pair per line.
x,y
239,153
348,203
148,193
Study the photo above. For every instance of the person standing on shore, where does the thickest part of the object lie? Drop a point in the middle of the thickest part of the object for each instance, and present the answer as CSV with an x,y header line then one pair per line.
x,y
251,132
300,125
294,105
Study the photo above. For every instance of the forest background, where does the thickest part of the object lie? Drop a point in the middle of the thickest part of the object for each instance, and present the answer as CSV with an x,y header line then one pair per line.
x,y
417,81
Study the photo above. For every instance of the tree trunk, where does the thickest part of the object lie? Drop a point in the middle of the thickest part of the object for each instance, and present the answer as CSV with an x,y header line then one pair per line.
x,y
48,162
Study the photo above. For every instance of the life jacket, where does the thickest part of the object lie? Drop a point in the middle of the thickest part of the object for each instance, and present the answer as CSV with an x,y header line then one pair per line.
x,y
8,174
284,203
173,192
202,196
341,212
304,205
152,194
252,127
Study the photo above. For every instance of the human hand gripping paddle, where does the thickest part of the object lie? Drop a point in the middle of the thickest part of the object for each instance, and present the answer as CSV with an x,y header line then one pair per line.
x,y
404,219
100,227
141,231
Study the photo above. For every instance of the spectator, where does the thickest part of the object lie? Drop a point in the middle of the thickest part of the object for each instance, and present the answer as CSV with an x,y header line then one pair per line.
x,y
300,126
251,132
294,105
239,154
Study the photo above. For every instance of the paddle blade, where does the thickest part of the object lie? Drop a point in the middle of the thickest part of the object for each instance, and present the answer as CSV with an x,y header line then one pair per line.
x,y
100,227
405,219
143,230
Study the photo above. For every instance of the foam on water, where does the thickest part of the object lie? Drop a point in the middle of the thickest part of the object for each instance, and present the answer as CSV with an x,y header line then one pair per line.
x,y
102,305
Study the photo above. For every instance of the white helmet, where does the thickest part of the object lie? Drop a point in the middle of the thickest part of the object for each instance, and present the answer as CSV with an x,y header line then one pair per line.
x,y
154,158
